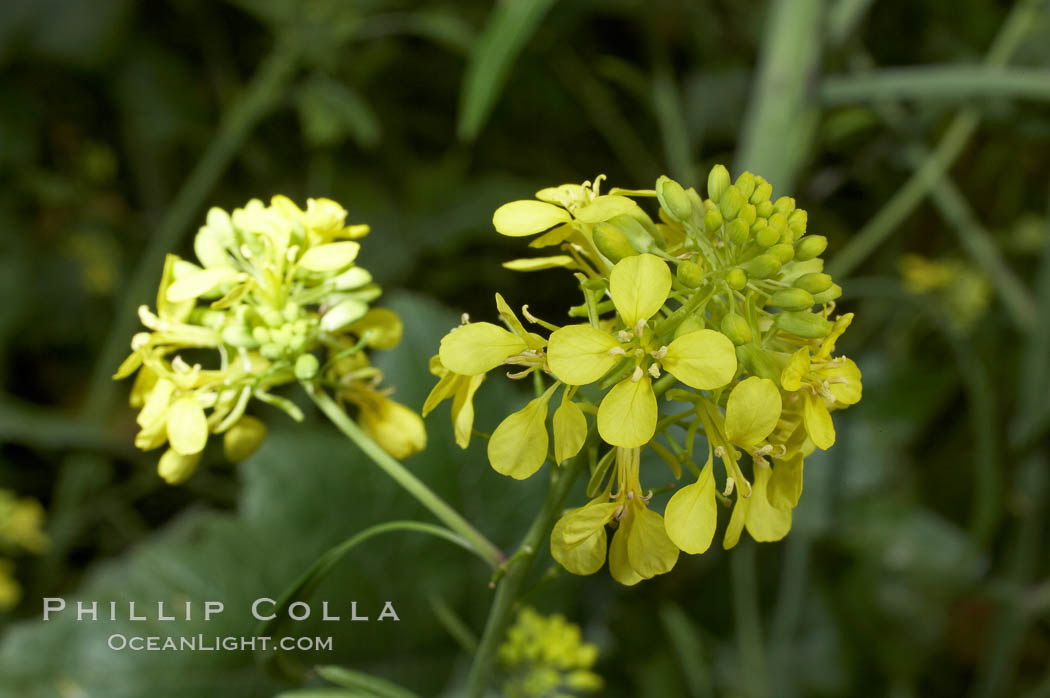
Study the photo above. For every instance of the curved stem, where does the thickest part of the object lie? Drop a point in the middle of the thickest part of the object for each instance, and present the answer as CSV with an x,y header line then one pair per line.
x,y
402,476
517,570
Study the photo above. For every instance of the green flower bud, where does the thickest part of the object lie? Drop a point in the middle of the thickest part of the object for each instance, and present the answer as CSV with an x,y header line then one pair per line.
x,y
810,246
746,184
272,317
763,266
611,242
731,203
784,205
271,351
835,291
306,367
261,335
792,299
673,199
765,209
713,220
782,251
803,324
717,182
690,274
243,438
748,214
736,328
767,237
814,282
778,222
736,278
763,190
238,336
797,222
737,232
207,317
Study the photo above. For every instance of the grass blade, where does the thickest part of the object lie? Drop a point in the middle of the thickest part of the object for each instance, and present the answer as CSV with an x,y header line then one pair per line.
x,y
960,82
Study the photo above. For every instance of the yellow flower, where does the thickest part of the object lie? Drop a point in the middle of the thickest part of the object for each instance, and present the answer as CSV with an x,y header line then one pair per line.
x,y
546,656
581,354
461,389
640,548
393,426
10,589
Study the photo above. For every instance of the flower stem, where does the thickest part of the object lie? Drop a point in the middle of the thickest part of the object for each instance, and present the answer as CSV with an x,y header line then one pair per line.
x,y
517,569
402,476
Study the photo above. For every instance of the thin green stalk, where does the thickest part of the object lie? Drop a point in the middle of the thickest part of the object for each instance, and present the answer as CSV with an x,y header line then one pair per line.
x,y
518,568
262,93
951,145
958,82
402,476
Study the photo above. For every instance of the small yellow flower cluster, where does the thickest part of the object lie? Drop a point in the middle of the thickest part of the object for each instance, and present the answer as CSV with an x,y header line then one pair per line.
x,y
724,297
21,529
275,289
545,657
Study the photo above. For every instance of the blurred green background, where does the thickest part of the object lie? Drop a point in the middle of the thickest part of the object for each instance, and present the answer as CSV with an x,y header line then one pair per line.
x,y
916,133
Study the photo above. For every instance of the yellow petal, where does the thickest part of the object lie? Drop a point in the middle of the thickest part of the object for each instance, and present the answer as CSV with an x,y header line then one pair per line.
x,y
187,426
156,402
128,366
818,422
198,284
752,411
463,409
603,208
828,345
845,382
396,428
520,218
478,347
579,354
570,431
442,390
541,263
585,555
619,568
331,257
796,369
649,551
175,468
583,522
518,447
627,415
242,439
509,316
703,359
638,286
691,515
736,522
785,486
383,326
765,522
566,195
555,236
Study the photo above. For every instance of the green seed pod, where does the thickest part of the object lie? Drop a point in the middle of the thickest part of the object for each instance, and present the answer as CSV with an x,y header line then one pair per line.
x,y
767,237
611,242
803,324
238,336
763,190
746,184
306,367
792,299
243,438
814,282
765,209
690,274
763,266
717,182
835,291
731,203
736,328
713,220
784,205
748,214
737,232
673,199
810,246
736,278
782,252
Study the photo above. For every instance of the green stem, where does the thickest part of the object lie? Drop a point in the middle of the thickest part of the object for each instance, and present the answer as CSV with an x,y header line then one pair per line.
x,y
958,82
265,90
402,476
748,620
518,568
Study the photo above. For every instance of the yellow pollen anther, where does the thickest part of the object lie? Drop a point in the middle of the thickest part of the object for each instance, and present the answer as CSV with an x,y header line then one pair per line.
x,y
730,482
637,375
464,319
639,327
654,370
660,353
617,351
624,336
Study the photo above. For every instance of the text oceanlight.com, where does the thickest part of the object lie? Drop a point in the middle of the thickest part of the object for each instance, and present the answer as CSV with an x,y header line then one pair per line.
x,y
214,643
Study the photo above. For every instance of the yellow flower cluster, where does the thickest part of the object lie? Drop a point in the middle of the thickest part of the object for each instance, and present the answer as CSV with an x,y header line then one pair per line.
x,y
276,288
21,529
721,303
545,657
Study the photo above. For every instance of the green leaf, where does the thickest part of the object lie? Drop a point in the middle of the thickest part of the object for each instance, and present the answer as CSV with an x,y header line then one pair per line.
x,y
509,27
